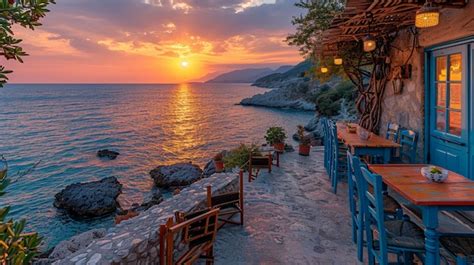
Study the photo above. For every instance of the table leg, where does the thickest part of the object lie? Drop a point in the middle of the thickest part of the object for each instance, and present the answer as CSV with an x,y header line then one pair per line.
x,y
430,220
278,160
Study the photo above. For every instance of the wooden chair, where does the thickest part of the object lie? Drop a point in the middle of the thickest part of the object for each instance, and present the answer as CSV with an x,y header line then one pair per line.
x,y
258,162
230,203
400,237
326,142
392,209
393,130
408,142
196,231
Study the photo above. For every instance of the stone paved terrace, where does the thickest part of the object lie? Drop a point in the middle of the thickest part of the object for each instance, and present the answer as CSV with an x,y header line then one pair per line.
x,y
292,217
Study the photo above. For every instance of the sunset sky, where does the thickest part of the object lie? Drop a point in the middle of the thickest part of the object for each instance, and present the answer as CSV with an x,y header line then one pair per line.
x,y
151,41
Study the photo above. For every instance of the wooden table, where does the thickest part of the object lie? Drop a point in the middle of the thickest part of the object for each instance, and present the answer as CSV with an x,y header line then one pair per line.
x,y
457,193
374,146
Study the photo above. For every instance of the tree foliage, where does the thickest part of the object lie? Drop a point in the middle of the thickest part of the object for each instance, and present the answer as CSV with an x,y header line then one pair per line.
x,y
310,26
25,13
16,246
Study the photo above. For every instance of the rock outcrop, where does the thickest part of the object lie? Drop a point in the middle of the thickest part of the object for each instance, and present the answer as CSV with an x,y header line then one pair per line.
x,y
280,98
106,153
177,175
68,247
209,169
90,199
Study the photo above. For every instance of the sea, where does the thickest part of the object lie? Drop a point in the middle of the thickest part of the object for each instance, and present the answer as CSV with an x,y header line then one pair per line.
x,y
60,127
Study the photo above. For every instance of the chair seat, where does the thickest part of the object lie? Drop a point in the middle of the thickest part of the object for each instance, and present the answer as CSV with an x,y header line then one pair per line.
x,y
458,245
404,234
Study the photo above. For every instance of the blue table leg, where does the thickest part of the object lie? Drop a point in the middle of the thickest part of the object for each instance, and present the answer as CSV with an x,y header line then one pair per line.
x,y
430,220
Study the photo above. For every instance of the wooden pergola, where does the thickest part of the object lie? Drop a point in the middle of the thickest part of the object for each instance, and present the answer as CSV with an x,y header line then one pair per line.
x,y
375,17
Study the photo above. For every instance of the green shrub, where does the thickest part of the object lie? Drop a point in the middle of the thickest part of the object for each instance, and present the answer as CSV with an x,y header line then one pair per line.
x,y
239,156
16,246
328,100
275,135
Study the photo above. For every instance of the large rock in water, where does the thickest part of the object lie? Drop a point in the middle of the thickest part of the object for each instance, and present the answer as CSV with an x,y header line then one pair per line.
x,y
181,174
90,199
106,153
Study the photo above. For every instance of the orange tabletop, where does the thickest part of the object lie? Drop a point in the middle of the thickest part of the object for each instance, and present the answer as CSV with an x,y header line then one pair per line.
x,y
353,139
408,182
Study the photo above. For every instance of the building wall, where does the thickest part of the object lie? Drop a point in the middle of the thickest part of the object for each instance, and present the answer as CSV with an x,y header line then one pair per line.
x,y
407,108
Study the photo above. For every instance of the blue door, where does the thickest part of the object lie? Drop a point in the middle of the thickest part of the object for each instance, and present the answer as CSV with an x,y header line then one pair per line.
x,y
449,93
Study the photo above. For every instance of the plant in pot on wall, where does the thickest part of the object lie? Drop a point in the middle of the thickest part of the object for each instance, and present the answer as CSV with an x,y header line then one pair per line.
x,y
276,137
219,162
305,142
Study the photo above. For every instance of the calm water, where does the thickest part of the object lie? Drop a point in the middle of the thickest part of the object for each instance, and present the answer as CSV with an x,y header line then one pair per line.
x,y
63,126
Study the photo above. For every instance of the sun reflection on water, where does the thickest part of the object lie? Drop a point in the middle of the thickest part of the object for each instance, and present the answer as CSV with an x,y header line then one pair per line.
x,y
185,129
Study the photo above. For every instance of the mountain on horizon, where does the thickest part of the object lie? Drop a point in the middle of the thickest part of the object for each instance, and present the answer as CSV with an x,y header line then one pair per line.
x,y
248,75
276,79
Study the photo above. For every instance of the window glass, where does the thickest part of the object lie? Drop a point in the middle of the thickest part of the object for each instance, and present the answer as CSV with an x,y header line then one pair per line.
x,y
441,120
441,95
455,96
455,67
455,122
441,64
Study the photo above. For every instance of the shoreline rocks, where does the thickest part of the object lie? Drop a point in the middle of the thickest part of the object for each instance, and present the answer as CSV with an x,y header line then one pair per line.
x,y
106,153
176,175
91,199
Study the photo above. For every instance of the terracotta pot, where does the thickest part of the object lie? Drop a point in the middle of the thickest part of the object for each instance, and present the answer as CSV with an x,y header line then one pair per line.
x,y
304,150
279,147
219,166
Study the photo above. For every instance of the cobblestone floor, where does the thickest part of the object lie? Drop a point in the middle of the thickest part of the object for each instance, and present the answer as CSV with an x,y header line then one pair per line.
x,y
292,217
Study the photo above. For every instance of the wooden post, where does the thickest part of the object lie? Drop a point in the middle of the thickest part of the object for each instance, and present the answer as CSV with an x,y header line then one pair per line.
x,y
270,162
209,196
169,243
162,244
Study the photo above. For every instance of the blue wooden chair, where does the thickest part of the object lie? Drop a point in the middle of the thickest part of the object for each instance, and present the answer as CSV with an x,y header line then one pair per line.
x,y
400,237
393,131
392,208
408,142
338,158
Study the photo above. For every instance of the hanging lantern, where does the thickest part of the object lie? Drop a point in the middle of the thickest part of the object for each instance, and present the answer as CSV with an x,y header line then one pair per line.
x,y
324,70
427,16
337,61
369,43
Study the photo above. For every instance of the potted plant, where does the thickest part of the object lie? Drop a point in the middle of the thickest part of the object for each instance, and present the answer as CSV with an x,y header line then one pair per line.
x,y
219,162
305,142
276,137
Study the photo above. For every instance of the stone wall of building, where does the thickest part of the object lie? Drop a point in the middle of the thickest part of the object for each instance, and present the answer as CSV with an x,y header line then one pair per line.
x,y
136,241
407,108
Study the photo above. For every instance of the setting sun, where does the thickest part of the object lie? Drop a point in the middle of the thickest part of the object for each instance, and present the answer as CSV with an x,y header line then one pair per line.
x,y
184,64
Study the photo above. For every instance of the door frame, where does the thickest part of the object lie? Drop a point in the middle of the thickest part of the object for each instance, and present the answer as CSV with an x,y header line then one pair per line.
x,y
427,87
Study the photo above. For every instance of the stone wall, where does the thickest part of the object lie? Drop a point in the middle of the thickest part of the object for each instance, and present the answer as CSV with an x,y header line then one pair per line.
x,y
407,109
136,241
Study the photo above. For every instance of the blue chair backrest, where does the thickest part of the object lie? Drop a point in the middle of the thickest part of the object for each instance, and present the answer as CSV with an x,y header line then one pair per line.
x,y
374,213
354,176
393,130
408,142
